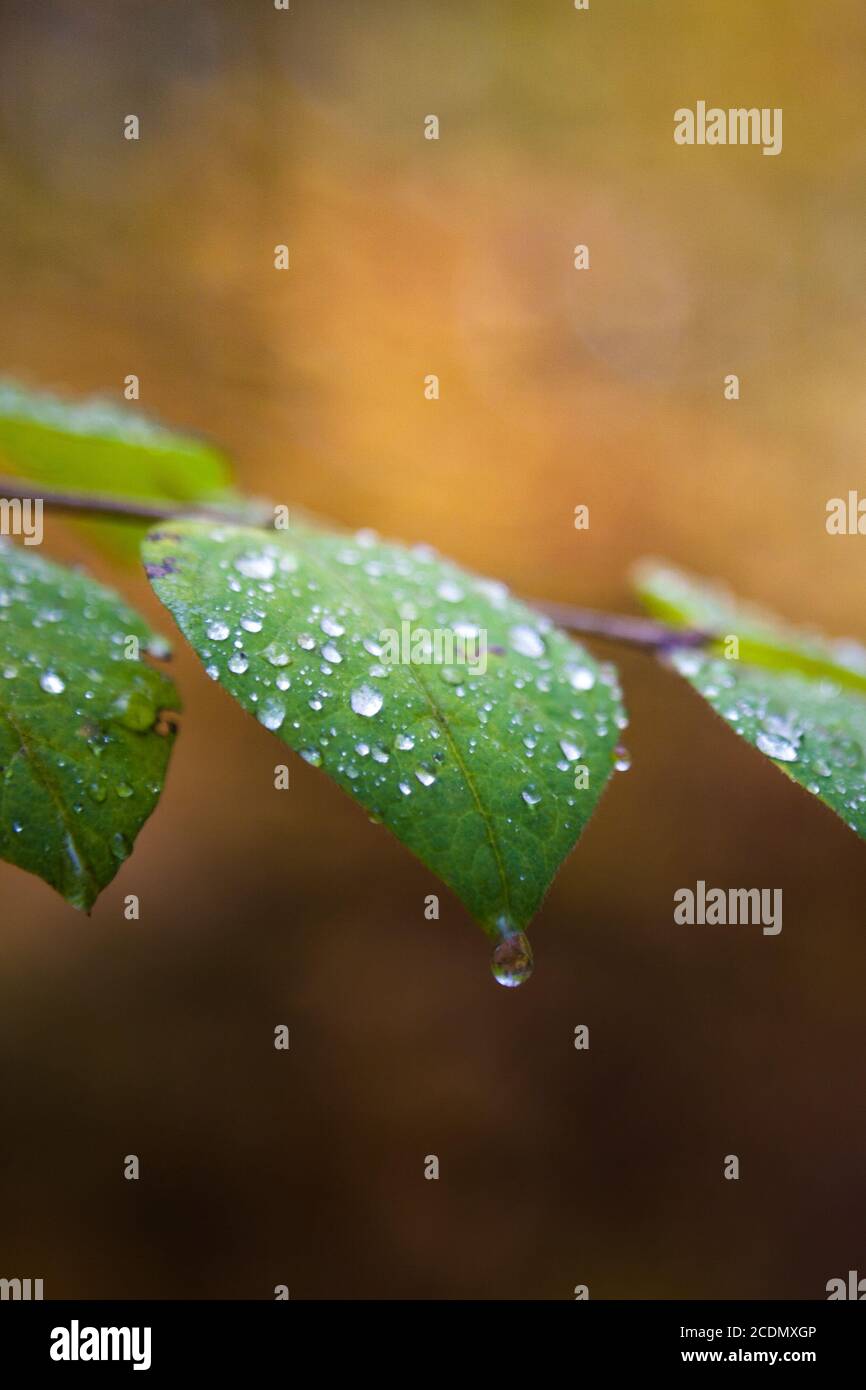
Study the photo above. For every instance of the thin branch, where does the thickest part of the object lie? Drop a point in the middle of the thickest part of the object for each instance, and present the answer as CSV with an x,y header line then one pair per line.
x,y
116,508
615,627
619,627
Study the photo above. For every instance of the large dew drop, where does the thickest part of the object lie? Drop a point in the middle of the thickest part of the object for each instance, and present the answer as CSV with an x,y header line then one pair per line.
x,y
365,700
511,962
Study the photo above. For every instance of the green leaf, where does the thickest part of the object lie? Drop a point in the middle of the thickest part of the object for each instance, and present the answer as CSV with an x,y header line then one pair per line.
x,y
96,446
473,772
799,698
82,759
764,639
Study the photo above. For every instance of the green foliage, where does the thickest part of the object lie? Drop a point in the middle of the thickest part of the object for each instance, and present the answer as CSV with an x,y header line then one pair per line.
x,y
96,446
81,759
799,698
474,772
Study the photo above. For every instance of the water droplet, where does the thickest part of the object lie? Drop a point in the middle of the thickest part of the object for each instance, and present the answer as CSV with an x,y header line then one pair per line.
x,y
120,846
777,746
255,566
251,624
622,758
124,791
52,683
571,750
512,960
425,777
271,714
238,663
526,641
311,756
405,788
404,742
531,797
217,631
134,710
96,791
366,701
331,627
582,678
330,653
306,640
276,654
451,592
158,648
362,749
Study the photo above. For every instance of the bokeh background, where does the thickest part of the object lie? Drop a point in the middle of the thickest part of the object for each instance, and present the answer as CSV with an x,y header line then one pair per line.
x,y
455,257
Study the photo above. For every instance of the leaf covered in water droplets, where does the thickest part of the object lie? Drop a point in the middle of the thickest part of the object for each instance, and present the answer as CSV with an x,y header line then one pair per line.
x,y
81,761
799,698
454,714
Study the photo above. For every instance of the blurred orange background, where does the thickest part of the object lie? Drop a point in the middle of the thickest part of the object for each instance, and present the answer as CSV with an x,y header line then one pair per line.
x,y
558,387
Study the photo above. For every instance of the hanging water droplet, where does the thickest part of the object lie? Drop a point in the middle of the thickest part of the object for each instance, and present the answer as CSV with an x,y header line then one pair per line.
x,y
622,758
511,962
238,663
366,701
526,641
217,630
120,846
52,683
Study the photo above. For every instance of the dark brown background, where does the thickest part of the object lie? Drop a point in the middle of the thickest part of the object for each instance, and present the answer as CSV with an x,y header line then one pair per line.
x,y
260,907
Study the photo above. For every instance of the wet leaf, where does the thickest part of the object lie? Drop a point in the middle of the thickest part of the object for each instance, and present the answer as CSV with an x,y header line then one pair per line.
x,y
473,769
798,697
81,762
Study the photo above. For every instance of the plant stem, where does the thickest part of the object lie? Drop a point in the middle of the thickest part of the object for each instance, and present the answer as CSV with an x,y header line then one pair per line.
x,y
615,627
621,627
114,508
